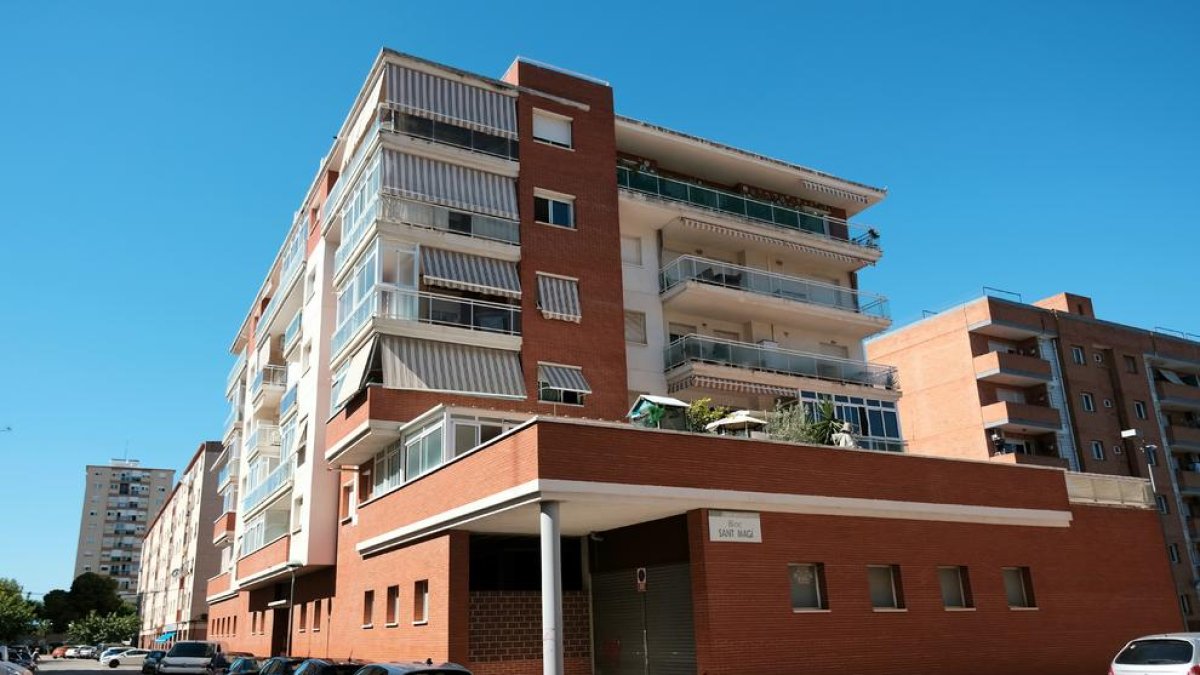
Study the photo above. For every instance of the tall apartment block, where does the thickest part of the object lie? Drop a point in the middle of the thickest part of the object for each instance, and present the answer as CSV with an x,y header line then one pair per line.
x,y
178,556
1049,384
119,500
428,453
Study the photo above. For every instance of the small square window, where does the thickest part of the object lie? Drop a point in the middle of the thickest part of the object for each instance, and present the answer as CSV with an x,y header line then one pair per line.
x,y
635,327
1097,450
1078,356
1089,402
421,602
1108,403
956,587
884,584
1098,357
808,586
554,210
1139,409
551,128
1018,587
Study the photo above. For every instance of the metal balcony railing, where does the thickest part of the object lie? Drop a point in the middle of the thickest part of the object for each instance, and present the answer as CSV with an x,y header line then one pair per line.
x,y
390,302
732,203
281,476
777,360
269,375
769,284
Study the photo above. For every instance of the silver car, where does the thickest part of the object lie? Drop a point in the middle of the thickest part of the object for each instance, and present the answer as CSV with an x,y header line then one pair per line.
x,y
189,658
1166,654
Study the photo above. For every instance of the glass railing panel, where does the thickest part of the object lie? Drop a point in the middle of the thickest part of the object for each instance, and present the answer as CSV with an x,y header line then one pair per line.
x,y
772,359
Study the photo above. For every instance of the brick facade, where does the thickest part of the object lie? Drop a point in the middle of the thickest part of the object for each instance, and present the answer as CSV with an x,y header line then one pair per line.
x,y
506,632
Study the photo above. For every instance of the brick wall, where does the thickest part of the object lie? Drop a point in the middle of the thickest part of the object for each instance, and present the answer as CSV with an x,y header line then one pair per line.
x,y
506,632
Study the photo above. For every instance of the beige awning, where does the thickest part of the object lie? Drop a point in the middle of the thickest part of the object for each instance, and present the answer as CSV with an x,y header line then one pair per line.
x,y
356,374
441,366
448,184
452,101
558,298
565,378
467,272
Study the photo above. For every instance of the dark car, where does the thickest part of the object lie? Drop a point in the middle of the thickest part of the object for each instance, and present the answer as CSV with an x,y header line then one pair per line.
x,y
243,664
150,664
222,663
328,667
426,668
279,665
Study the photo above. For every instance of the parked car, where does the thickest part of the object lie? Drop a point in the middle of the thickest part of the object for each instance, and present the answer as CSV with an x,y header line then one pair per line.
x,y
222,662
427,668
110,652
128,657
59,652
72,652
1165,654
86,652
279,665
190,657
328,667
10,668
150,663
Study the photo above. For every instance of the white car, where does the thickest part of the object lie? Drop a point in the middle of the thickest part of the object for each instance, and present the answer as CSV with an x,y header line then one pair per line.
x,y
129,657
111,651
1165,654
71,653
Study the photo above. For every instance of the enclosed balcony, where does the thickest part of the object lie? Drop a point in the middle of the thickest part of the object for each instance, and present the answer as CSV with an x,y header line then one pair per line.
x,y
699,361
235,373
1012,369
287,404
1183,438
1021,418
291,334
275,482
1178,396
393,304
268,386
233,421
264,440
703,287
228,472
223,528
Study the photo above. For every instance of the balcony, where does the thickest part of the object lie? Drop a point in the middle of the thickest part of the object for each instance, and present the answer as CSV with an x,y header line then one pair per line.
x,y
696,360
235,373
268,385
1091,488
264,440
227,473
291,335
1021,418
263,560
1183,438
707,287
287,404
741,207
1189,480
233,422
218,585
1025,459
289,271
1172,396
275,482
411,306
1012,369
223,528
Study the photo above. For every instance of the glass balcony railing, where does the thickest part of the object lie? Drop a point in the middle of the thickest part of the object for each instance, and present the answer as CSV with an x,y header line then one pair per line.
x,y
234,373
275,376
292,333
759,282
390,302
228,471
288,401
742,206
277,479
233,419
264,437
293,261
698,348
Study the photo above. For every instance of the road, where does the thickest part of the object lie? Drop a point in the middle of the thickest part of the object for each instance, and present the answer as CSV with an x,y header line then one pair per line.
x,y
49,666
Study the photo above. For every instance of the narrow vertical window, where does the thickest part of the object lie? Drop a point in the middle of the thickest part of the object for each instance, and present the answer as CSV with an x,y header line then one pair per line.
x,y
368,608
317,616
884,584
1018,587
393,605
421,602
956,587
1089,402
1077,355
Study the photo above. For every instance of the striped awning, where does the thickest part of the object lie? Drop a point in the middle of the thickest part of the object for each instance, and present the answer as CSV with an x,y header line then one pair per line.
x,y
449,184
441,366
467,272
354,378
565,378
450,101
558,298
722,384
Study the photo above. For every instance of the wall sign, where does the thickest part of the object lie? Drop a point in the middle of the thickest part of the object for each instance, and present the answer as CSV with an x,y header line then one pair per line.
x,y
738,526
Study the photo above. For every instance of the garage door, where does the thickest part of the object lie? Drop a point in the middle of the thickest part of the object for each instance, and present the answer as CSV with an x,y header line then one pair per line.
x,y
644,633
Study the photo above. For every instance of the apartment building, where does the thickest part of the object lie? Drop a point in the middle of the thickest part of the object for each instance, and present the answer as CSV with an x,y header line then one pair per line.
x,y
178,556
119,499
428,453
1049,384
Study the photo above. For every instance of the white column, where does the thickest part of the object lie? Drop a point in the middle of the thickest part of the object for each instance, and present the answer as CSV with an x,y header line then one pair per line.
x,y
552,643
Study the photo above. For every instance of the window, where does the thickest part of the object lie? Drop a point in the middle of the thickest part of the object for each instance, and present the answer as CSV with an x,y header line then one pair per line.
x,y
1108,403
1161,502
1018,587
297,514
631,251
1139,409
346,504
1089,402
884,583
635,327
1130,364
1097,450
421,602
471,432
368,608
1173,553
808,586
1078,356
956,587
303,617
317,616
393,605
1152,456
1010,395
423,451
1185,604
554,210
551,128
562,384
1098,357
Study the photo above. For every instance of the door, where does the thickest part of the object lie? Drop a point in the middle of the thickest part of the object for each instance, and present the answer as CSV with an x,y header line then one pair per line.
x,y
279,630
644,632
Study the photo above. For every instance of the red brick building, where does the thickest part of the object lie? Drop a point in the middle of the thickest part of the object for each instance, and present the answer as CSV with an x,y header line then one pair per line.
x,y
429,449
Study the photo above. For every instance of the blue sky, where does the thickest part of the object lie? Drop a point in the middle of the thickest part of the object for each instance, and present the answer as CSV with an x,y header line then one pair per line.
x,y
156,151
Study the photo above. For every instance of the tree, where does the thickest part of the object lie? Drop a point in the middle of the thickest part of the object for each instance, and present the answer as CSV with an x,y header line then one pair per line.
x,y
701,413
96,629
17,615
91,592
800,423
58,610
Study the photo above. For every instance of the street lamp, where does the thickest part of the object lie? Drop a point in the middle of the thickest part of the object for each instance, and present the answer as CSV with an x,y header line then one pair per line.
x,y
292,566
